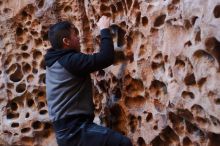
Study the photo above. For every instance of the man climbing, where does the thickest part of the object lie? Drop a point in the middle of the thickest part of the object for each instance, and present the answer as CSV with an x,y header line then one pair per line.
x,y
69,87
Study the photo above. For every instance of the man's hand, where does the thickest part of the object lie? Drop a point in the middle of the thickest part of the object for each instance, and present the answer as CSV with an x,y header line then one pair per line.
x,y
103,23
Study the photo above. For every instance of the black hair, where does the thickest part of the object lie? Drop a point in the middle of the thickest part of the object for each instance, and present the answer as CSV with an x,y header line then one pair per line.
x,y
59,31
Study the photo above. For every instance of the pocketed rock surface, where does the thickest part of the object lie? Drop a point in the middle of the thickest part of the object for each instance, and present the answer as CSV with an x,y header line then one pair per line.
x,y
162,90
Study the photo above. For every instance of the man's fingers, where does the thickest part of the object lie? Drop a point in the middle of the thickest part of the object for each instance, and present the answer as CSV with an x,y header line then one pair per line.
x,y
103,22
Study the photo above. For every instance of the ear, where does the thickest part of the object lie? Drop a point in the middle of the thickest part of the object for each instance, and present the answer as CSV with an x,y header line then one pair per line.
x,y
66,41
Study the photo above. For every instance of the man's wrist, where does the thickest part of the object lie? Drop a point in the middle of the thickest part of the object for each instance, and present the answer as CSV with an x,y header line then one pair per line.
x,y
105,33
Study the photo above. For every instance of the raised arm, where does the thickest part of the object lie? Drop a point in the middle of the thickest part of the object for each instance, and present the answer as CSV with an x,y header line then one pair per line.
x,y
81,64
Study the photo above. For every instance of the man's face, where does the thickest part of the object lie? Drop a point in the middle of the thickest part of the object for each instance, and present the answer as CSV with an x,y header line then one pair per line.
x,y
72,42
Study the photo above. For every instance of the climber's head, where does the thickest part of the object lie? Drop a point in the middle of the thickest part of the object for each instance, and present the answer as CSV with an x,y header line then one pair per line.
x,y
63,35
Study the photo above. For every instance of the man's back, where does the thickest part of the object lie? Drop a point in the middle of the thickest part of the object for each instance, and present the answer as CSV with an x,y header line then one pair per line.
x,y
67,94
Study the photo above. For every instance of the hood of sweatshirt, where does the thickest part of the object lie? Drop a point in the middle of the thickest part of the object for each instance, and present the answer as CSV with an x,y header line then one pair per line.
x,y
53,55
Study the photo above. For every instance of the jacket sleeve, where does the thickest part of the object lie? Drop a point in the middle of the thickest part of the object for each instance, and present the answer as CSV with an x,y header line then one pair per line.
x,y
81,64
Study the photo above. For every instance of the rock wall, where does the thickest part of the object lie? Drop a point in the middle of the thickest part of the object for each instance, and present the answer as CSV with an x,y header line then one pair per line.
x,y
162,90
